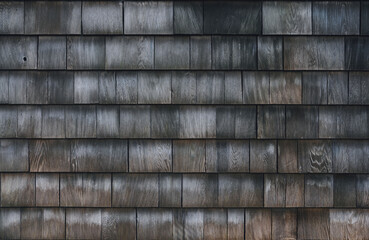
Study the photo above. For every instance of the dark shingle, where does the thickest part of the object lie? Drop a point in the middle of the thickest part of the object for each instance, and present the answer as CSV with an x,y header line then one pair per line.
x,y
210,87
10,223
118,223
126,92
52,52
85,53
154,87
313,223
107,89
258,224
8,122
225,121
82,223
170,187
256,88
200,190
314,87
263,156
107,121
358,88
172,53
164,121
135,121
60,87
47,189
18,52
12,17
200,57
344,192
189,156
13,155
302,122
154,224
350,156
188,17
29,122
232,88
319,190
81,121
271,121
284,223
197,122
315,156
183,87
338,88
285,88
270,56
23,195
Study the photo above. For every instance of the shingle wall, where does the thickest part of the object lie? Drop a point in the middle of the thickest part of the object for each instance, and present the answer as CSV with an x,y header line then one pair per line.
x,y
184,120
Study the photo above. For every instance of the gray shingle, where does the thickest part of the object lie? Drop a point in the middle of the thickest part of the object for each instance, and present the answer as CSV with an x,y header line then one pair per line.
x,y
245,122
85,53
356,51
200,190
53,122
18,52
238,52
315,156
12,17
154,223
13,155
336,18
154,87
225,122
129,52
135,121
60,87
319,190
284,223
313,223
118,223
314,87
183,87
189,156
188,17
107,89
302,122
364,18
256,88
164,121
8,122
47,189
126,87
4,90
232,88
10,223
318,53
210,87
86,87
52,52
338,88
23,195
82,223
344,191
170,187
102,17
81,121
172,53
232,17
263,156
358,88
271,121
29,122
197,122
107,121
270,56
148,17
200,52
287,18
287,156
285,88
362,189
18,87
36,87
349,156
258,224
52,17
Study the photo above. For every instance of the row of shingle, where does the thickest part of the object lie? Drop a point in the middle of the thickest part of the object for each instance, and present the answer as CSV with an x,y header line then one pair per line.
x,y
184,190
131,224
184,121
184,52
197,17
255,156
184,87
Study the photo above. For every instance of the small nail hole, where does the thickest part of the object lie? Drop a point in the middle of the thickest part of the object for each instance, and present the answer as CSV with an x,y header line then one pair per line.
x,y
24,58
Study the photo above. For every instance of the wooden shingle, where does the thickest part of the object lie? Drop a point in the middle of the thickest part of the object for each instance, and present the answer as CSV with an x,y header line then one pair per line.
x,y
188,17
23,194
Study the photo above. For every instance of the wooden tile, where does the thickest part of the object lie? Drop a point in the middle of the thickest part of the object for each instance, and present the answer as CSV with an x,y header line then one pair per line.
x,y
49,156
287,156
99,156
135,121
302,122
8,122
362,191
284,224
285,88
314,87
197,122
315,156
344,191
107,121
215,224
193,224
86,87
23,195
150,156
42,223
200,47
189,156
170,190
154,224
60,87
18,52
200,190
319,190
47,189
81,121
364,18
295,190
118,223
52,52
240,190
183,87
313,223
256,87
172,52
85,190
227,156
154,87
232,88
348,223
210,87
349,156
271,121
10,223
245,122
83,223
356,49
188,17
338,88
36,87
17,87
236,223
358,88
13,155
225,121
53,122
12,17
263,156
135,190
4,91
164,121
107,89
126,87
270,55
258,224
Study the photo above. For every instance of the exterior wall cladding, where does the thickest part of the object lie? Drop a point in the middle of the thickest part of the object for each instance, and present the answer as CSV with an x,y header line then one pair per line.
x,y
184,120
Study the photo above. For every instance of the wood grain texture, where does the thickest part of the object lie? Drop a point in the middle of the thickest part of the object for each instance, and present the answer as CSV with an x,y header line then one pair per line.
x,y
263,156
4,91
49,156
86,87
172,53
170,190
295,190
232,88
362,190
85,53
240,190
99,156
302,122
319,190
338,88
290,18
210,87
164,121
18,189
336,18
13,155
42,223
17,87
107,121
287,156
40,17
107,88
53,125
358,88
184,87
60,87
271,121
256,88
284,224
348,223
10,223
215,224
12,17
356,49
236,223
118,223
313,224
154,224
85,190
364,18
148,17
350,156
8,122
47,189
81,121
200,190
18,52
270,55
225,122
83,223
126,87
285,88
315,156
227,156
188,17
150,156
238,52
258,224
314,87
197,122
102,18
135,121
200,49
52,52
344,191
189,156
318,53
245,122
36,87
129,52
135,190
232,17
193,224
154,87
